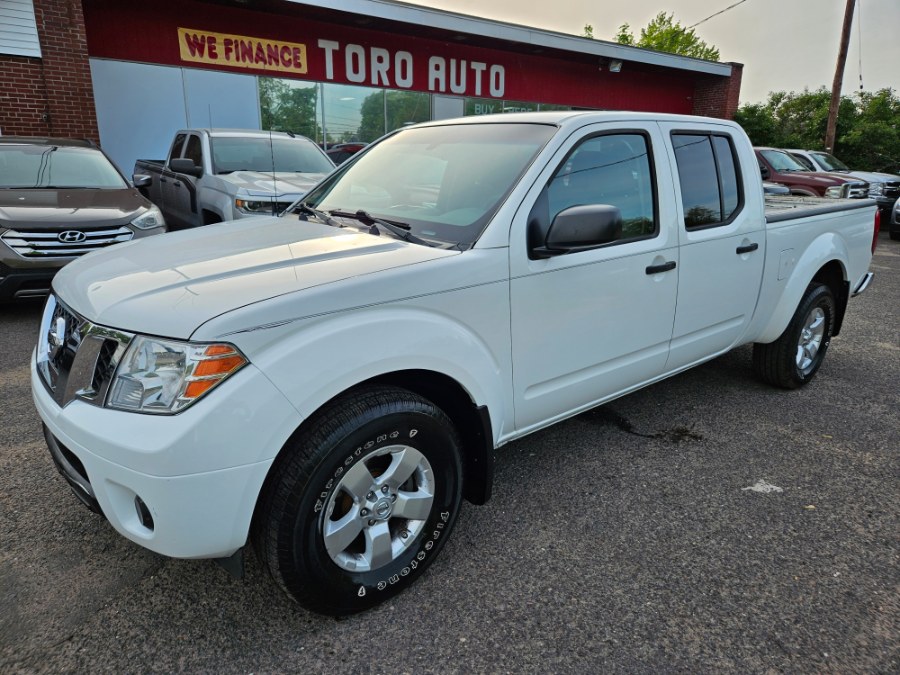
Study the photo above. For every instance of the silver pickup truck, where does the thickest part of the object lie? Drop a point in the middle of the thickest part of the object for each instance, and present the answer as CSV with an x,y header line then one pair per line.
x,y
213,175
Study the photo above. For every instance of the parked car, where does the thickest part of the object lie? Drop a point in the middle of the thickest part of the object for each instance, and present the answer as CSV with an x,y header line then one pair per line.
x,y
60,199
213,175
341,152
780,167
775,188
884,188
331,384
894,224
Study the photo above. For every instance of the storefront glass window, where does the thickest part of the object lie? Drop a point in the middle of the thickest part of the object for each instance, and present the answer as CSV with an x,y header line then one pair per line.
x,y
518,106
290,105
407,107
353,113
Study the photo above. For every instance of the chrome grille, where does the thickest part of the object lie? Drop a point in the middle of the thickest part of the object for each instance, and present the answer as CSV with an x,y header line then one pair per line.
x,y
75,358
891,189
63,244
857,190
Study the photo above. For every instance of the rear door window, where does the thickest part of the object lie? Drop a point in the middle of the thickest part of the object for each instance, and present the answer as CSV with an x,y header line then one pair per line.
x,y
709,177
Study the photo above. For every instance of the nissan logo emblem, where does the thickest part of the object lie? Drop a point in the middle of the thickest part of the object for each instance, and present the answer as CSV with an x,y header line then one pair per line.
x,y
72,237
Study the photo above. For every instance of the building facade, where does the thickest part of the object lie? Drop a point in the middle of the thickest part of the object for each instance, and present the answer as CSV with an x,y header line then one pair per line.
x,y
130,74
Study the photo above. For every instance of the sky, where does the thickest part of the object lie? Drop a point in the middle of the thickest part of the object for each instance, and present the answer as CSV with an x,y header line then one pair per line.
x,y
785,45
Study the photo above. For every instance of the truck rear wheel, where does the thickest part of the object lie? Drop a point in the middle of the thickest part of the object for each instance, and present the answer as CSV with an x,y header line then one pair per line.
x,y
361,501
795,357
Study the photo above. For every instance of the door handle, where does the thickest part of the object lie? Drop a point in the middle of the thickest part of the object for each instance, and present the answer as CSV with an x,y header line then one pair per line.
x,y
749,248
163,179
665,267
177,183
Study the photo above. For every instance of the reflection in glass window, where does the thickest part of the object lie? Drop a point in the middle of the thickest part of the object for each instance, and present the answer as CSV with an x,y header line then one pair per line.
x,y
727,176
444,182
290,105
42,166
406,107
492,106
708,173
699,180
518,106
614,170
257,153
193,150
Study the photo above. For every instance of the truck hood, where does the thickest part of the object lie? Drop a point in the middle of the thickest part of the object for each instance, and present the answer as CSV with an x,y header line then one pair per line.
x,y
51,209
259,184
170,284
875,176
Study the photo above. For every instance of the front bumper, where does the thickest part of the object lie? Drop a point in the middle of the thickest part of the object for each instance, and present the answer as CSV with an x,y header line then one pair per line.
x,y
25,283
183,485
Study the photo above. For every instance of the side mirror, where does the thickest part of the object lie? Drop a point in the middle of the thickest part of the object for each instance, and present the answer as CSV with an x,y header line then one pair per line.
x,y
186,166
580,228
140,180
764,171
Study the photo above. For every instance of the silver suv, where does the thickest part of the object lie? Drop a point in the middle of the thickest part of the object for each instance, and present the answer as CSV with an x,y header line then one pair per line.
x,y
60,199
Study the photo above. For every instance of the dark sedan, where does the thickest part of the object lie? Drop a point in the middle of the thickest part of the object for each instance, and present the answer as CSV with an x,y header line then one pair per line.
x,y
60,199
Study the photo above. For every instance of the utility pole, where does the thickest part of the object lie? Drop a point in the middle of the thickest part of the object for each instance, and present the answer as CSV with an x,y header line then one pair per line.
x,y
839,77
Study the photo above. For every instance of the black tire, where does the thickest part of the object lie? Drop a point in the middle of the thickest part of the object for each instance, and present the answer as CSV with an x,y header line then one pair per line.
x,y
784,363
310,487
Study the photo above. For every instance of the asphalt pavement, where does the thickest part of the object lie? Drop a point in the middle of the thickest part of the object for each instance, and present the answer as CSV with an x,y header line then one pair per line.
x,y
709,523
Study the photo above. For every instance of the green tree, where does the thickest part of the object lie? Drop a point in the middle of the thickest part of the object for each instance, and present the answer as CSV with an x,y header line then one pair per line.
x,y
868,131
403,108
286,108
665,34
588,31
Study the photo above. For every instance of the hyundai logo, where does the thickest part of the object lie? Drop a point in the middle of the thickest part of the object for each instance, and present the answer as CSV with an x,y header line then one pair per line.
x,y
72,237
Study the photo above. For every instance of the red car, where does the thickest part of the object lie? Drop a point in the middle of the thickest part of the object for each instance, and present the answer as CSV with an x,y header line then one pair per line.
x,y
777,166
341,152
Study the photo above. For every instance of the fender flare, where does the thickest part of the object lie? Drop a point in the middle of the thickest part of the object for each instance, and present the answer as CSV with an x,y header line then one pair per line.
x,y
825,249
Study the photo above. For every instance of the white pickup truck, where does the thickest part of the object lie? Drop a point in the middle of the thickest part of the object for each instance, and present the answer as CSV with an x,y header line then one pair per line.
x,y
332,384
214,175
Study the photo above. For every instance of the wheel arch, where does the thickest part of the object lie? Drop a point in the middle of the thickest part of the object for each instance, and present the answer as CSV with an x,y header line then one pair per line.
x,y
472,422
824,261
833,275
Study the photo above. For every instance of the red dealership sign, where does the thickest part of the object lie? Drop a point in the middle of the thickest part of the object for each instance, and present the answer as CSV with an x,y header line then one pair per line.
x,y
187,33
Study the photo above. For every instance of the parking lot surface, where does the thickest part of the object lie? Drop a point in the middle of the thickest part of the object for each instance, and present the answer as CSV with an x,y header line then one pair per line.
x,y
707,523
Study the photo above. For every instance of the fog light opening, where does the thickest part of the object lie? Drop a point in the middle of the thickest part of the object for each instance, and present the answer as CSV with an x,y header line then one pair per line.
x,y
143,513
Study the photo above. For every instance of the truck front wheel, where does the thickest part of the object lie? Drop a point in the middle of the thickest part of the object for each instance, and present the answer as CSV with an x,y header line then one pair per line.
x,y
361,500
793,359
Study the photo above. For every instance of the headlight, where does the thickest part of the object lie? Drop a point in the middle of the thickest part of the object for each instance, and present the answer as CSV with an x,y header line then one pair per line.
x,y
149,219
835,192
165,376
875,189
253,207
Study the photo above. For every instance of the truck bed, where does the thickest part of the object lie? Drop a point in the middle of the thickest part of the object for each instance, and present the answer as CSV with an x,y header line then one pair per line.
x,y
788,207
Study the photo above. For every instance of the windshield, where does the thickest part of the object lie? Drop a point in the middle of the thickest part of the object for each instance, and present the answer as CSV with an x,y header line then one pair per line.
x,y
55,166
781,161
254,153
444,182
830,162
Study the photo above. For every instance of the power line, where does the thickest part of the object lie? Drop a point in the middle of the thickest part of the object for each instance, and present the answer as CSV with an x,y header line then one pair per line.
x,y
740,2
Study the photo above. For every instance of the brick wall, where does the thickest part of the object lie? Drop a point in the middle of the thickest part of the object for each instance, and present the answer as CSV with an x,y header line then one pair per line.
x,y
52,95
718,96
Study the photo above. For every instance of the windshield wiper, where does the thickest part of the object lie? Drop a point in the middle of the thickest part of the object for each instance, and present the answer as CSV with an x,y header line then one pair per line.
x,y
303,207
378,225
